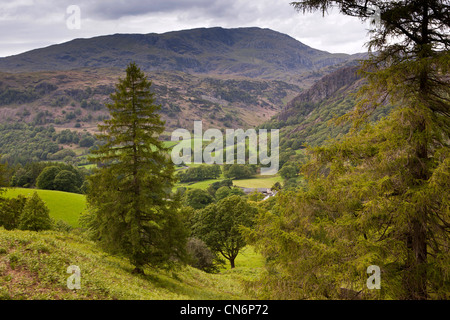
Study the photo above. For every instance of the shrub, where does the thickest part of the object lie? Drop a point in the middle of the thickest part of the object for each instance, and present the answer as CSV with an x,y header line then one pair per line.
x,y
223,192
62,226
66,181
198,198
200,256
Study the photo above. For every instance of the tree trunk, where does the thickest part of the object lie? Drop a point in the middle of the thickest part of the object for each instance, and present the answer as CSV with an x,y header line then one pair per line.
x,y
415,280
232,262
417,238
138,270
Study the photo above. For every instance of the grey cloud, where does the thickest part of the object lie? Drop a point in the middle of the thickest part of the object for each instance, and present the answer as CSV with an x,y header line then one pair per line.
x,y
112,10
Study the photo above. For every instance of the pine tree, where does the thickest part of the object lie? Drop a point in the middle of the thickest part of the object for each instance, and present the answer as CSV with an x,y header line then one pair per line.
x,y
380,195
130,195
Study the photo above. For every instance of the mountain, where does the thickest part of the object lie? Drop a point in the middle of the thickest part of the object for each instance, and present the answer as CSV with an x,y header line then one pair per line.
x,y
244,52
308,118
225,77
76,99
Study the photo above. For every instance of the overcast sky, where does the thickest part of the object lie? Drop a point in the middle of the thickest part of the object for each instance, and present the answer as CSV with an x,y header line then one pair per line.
x,y
30,24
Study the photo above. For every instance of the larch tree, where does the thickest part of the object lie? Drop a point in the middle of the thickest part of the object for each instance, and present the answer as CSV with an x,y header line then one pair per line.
x,y
133,212
378,196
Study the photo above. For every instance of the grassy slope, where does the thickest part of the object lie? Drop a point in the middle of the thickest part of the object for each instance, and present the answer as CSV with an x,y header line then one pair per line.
x,y
24,254
33,265
62,205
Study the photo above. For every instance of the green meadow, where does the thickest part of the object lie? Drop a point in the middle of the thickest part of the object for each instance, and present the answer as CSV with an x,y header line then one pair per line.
x,y
106,277
62,205
258,181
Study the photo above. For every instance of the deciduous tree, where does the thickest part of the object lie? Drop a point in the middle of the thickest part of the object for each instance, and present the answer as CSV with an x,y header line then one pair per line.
x,y
219,225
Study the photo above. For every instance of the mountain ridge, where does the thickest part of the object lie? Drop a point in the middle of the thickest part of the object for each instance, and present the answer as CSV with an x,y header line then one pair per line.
x,y
249,52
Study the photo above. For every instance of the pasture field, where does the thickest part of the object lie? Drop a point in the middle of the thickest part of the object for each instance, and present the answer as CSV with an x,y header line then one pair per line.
x,y
258,181
64,206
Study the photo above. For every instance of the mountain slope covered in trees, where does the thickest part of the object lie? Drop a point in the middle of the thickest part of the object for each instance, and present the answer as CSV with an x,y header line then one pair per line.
x,y
308,118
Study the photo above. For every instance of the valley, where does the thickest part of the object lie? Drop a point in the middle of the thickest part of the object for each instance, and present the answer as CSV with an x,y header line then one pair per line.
x,y
50,106
116,182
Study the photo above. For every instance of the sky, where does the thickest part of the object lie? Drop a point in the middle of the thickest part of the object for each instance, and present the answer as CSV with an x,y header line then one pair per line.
x,y
31,24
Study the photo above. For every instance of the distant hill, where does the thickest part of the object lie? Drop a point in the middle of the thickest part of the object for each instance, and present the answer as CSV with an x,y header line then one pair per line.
x,y
306,119
247,52
75,99
228,78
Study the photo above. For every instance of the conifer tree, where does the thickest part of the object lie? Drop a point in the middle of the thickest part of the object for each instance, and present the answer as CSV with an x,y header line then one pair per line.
x,y
380,195
133,213
35,215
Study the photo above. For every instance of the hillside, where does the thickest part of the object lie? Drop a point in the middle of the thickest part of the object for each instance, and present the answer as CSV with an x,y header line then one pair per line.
x,y
63,206
307,119
243,52
75,99
33,265
229,78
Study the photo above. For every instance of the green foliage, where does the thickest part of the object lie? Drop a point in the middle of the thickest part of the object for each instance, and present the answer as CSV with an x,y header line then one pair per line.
x,y
62,154
87,141
288,171
132,210
200,256
226,191
213,187
21,143
12,95
219,225
43,175
378,196
47,177
200,173
238,171
35,215
61,177
197,198
223,192
67,181
255,196
10,211
3,173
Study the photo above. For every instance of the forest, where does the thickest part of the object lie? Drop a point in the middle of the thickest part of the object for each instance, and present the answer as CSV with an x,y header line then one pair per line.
x,y
22,143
